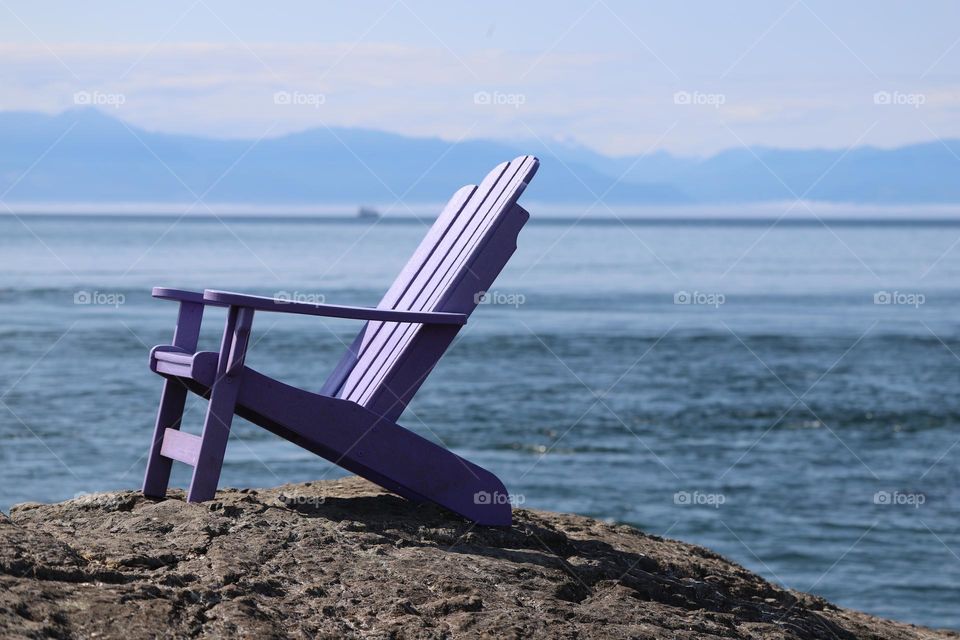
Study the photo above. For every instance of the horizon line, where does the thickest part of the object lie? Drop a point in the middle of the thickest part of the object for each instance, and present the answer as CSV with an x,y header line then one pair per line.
x,y
773,211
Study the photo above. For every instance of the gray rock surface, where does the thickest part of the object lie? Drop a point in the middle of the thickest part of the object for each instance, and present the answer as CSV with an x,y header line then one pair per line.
x,y
343,559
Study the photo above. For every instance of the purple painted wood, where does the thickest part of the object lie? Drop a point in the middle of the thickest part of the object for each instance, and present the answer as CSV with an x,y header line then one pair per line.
x,y
189,366
172,400
344,367
181,295
380,339
428,283
184,447
424,350
377,449
352,420
360,344
452,276
220,409
331,310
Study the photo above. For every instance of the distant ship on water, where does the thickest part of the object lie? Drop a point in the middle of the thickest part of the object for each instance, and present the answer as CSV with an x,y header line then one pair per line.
x,y
368,213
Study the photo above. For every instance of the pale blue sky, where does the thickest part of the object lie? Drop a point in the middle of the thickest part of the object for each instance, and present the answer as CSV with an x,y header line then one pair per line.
x,y
604,74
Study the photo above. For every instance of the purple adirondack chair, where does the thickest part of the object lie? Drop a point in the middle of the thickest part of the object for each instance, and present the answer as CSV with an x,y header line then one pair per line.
x,y
352,420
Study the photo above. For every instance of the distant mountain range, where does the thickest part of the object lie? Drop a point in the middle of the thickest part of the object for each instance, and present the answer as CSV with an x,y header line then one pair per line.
x,y
102,160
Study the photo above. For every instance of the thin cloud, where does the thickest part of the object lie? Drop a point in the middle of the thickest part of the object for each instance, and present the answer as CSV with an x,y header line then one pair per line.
x,y
614,103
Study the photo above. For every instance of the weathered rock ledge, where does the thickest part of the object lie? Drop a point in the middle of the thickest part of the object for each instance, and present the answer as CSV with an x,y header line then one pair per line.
x,y
343,559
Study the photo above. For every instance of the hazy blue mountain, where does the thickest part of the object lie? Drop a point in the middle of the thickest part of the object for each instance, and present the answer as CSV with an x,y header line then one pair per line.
x,y
656,166
101,159
921,173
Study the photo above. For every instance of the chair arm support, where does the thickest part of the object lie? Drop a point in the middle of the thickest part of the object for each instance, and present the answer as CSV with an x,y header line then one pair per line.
x,y
260,303
187,333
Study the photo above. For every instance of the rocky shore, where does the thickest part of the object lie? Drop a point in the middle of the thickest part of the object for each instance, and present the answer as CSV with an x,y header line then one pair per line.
x,y
343,559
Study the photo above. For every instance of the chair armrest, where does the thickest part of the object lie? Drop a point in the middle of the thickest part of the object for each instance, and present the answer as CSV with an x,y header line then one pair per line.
x,y
181,295
261,303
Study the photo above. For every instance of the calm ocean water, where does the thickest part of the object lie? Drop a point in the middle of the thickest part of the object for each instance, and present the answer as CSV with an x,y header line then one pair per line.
x,y
781,417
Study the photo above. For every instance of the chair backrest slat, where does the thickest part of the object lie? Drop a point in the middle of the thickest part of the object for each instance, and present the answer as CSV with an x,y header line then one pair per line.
x,y
432,262
460,256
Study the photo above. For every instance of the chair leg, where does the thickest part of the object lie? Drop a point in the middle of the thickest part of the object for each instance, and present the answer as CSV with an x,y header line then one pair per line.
x,y
223,402
213,446
172,402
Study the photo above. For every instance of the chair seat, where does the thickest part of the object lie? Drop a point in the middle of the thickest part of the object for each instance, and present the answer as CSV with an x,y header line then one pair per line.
x,y
172,354
173,361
